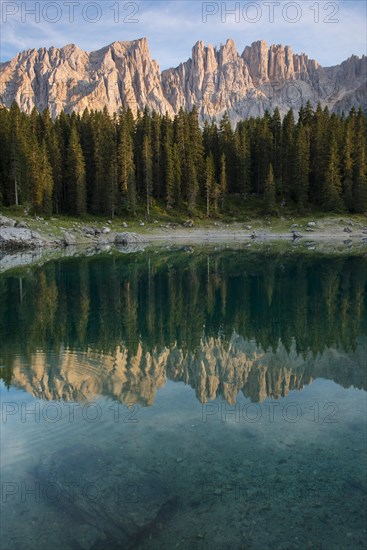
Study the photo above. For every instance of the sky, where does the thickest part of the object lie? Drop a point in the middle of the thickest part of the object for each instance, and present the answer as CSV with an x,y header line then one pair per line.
x,y
329,32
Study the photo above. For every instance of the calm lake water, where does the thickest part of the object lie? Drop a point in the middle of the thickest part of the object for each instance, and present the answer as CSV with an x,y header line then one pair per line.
x,y
191,399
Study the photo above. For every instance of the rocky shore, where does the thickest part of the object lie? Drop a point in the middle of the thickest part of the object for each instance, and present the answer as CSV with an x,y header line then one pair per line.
x,y
25,240
19,236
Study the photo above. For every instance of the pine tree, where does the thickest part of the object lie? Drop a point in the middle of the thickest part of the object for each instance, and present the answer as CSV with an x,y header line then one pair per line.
x,y
148,172
264,151
269,192
41,180
54,156
332,187
177,174
360,165
105,192
180,132
276,158
16,188
226,146
75,176
62,128
126,169
243,160
348,165
209,181
319,154
169,169
306,114
195,157
157,154
45,183
223,178
288,136
302,165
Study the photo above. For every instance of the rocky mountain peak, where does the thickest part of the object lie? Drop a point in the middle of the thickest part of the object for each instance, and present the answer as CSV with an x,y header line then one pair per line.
x,y
228,53
216,80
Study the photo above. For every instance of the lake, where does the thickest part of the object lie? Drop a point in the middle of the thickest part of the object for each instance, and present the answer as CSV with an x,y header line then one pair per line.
x,y
191,398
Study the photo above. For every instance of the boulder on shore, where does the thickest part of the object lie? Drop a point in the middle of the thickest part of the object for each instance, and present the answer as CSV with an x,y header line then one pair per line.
x,y
6,222
13,238
127,238
69,239
188,223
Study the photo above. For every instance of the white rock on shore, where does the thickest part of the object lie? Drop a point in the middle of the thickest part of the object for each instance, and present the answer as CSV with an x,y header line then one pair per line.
x,y
16,237
6,222
127,238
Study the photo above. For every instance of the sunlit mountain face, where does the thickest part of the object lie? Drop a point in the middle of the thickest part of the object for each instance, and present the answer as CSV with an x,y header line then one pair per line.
x,y
193,398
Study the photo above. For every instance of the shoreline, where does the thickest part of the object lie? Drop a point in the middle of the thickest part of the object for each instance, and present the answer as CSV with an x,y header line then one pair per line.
x,y
282,244
61,237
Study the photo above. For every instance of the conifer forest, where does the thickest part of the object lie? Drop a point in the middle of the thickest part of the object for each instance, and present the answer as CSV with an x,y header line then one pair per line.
x,y
119,165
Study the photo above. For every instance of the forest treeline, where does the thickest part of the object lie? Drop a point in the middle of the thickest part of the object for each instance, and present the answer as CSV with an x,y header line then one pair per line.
x,y
117,165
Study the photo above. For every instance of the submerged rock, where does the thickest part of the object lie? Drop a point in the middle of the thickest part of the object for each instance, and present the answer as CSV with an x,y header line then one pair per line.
x,y
12,238
109,493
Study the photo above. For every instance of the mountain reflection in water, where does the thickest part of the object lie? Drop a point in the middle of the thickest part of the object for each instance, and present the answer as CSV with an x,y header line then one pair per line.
x,y
222,322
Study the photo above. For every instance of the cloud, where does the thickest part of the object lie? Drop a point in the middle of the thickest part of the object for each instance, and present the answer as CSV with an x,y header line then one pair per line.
x,y
172,27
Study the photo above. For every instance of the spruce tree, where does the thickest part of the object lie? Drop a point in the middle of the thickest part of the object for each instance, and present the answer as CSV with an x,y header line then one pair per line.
x,y
169,169
54,156
332,186
180,133
319,154
157,154
223,178
269,192
360,165
226,146
176,161
105,192
276,158
43,196
348,165
209,182
126,167
38,183
195,157
75,176
16,188
302,166
148,172
243,160
288,165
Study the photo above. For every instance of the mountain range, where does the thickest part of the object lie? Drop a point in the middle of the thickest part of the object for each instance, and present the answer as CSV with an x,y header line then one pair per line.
x,y
215,80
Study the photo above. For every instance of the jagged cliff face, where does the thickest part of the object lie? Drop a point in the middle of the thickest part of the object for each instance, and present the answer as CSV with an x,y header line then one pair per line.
x,y
213,370
214,80
122,73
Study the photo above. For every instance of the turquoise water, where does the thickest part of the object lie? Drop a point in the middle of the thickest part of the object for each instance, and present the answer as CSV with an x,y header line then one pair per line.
x,y
188,399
